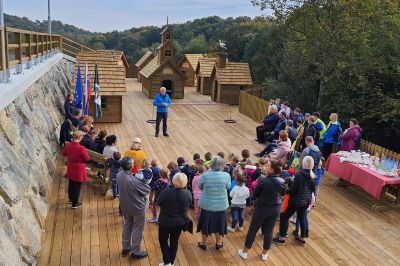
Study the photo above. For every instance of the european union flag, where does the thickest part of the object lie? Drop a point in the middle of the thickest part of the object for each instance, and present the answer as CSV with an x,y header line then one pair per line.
x,y
78,103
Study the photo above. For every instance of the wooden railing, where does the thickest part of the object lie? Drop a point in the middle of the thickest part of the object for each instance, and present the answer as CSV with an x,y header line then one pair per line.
x,y
373,149
23,46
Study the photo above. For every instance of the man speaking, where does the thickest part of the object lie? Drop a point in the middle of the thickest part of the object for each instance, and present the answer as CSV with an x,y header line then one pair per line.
x,y
162,102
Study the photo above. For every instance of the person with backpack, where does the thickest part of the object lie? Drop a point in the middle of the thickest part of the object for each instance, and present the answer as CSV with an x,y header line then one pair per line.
x,y
313,151
331,135
351,137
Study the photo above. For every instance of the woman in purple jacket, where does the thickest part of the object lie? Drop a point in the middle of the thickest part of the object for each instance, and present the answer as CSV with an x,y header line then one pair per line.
x,y
351,136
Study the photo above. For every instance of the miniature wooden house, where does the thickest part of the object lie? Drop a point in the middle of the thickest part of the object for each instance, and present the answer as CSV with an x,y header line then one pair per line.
x,y
146,58
228,79
203,75
112,68
162,71
188,66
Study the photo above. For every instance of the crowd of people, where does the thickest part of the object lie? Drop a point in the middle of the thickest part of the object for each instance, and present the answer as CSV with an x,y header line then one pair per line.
x,y
277,187
285,130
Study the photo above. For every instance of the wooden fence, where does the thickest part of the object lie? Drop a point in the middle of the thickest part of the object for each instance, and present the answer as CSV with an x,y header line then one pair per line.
x,y
23,46
373,149
252,106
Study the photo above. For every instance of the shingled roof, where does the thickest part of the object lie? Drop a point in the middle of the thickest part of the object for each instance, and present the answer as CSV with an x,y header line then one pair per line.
x,y
153,66
205,66
112,67
233,73
144,58
193,59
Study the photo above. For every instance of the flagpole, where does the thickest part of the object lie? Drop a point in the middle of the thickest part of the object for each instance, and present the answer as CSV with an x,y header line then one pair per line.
x,y
3,43
49,24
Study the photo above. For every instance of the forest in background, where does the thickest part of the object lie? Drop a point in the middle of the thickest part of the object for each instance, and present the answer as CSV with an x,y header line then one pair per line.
x,y
331,56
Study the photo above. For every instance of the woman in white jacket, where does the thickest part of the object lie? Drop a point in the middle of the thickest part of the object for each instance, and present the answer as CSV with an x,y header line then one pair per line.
x,y
239,194
283,148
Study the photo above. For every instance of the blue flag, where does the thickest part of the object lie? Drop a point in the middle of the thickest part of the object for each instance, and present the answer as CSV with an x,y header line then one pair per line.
x,y
78,103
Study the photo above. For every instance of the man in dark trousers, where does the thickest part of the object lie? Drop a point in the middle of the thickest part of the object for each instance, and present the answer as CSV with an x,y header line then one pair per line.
x,y
162,102
269,124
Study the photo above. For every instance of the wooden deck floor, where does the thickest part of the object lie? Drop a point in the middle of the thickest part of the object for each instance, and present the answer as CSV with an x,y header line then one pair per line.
x,y
344,231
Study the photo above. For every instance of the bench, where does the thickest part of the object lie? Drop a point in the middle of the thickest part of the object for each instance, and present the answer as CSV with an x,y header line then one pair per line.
x,y
99,171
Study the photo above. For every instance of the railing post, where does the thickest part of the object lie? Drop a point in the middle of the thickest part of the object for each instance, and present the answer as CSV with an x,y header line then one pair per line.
x,y
29,64
60,44
19,66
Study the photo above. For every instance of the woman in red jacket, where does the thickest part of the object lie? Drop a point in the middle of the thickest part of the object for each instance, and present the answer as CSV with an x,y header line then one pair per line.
x,y
76,168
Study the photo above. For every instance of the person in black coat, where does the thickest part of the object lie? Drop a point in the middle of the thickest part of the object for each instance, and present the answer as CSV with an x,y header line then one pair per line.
x,y
88,140
311,130
268,195
69,106
100,141
174,204
300,195
269,124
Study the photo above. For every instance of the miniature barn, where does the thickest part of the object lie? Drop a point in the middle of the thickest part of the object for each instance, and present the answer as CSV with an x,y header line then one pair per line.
x,y
203,72
146,58
228,79
188,66
162,70
112,68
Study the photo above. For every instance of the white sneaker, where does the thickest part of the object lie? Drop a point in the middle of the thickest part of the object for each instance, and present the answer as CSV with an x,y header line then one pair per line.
x,y
230,229
264,257
241,229
242,254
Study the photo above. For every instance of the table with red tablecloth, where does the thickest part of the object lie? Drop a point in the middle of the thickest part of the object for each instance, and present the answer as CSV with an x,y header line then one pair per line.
x,y
372,182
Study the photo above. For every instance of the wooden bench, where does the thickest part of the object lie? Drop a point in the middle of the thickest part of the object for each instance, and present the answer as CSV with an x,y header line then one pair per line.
x,y
99,172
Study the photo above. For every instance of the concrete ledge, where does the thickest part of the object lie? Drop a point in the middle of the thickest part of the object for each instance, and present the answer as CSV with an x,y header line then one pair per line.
x,y
21,82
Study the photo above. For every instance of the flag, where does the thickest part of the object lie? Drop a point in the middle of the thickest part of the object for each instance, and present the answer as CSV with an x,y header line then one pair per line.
x,y
78,90
89,94
85,95
97,97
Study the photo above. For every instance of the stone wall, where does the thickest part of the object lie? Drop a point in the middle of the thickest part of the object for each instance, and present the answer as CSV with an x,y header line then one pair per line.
x,y
28,147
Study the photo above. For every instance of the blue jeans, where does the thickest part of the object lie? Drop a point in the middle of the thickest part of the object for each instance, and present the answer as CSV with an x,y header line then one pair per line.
x,y
269,148
237,215
114,188
306,222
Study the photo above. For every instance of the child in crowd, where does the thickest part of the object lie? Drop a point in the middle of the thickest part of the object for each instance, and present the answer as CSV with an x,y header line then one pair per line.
x,y
245,156
249,169
156,175
196,156
230,156
296,230
207,158
146,175
319,175
234,164
196,191
159,186
221,154
173,169
115,166
239,194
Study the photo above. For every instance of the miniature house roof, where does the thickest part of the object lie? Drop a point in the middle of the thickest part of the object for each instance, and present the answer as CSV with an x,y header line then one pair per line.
x,y
153,67
145,57
233,73
193,59
112,67
205,66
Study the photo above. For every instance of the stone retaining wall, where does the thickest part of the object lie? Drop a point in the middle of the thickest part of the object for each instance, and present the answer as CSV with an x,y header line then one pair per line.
x,y
28,148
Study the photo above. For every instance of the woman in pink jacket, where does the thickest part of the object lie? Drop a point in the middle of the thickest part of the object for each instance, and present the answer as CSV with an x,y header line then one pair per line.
x,y
350,136
196,191
283,148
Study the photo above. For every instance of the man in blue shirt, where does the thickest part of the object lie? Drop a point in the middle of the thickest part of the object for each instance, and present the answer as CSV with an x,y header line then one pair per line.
x,y
162,102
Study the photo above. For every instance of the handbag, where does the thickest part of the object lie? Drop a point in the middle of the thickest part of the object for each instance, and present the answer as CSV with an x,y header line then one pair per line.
x,y
188,225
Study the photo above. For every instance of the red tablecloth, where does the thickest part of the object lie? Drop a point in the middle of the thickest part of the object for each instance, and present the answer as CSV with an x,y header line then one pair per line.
x,y
363,177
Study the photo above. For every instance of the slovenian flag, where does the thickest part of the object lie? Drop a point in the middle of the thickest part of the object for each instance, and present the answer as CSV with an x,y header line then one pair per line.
x,y
78,103
97,97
